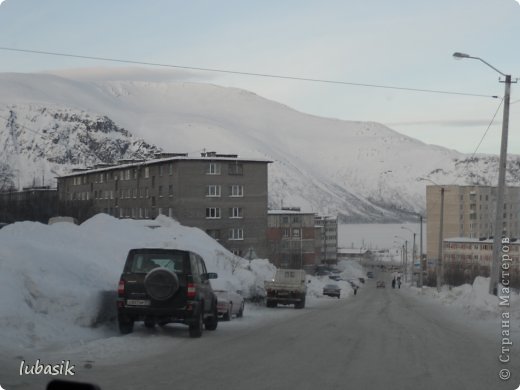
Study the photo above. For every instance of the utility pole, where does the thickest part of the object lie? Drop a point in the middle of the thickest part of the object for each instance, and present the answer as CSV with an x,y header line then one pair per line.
x,y
499,220
420,256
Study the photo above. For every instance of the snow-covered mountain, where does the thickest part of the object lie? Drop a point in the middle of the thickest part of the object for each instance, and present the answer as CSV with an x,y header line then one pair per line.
x,y
362,170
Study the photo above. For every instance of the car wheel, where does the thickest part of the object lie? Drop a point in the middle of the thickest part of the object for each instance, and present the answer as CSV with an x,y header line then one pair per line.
x,y
227,315
241,311
161,284
126,324
196,325
211,323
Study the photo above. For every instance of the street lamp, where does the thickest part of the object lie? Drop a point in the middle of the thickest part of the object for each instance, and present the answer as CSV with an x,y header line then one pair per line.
x,y
405,260
413,250
493,274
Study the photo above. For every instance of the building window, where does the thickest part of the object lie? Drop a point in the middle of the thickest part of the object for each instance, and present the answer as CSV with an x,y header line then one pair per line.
x,y
140,213
170,169
236,169
296,219
213,233
153,201
127,174
160,211
153,181
235,212
286,233
170,212
170,190
213,168
236,234
296,233
146,213
213,190
160,192
146,172
212,212
160,171
236,190
146,193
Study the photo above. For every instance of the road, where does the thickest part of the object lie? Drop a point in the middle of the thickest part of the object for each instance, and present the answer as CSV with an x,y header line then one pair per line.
x,y
379,339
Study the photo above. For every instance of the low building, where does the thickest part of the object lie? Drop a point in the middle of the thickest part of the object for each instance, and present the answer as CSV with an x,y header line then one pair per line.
x,y
466,258
37,203
222,194
354,254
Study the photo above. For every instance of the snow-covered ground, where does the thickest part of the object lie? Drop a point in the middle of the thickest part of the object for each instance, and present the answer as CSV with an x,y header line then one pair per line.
x,y
53,277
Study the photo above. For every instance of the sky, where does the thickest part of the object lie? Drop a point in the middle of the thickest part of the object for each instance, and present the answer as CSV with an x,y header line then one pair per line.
x,y
402,43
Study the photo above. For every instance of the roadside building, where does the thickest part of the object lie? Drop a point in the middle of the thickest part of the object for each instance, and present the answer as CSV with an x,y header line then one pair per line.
x,y
466,258
328,231
37,203
222,194
469,211
293,239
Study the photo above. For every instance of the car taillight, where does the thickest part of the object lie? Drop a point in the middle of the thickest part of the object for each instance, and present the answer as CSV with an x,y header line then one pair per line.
x,y
121,288
191,291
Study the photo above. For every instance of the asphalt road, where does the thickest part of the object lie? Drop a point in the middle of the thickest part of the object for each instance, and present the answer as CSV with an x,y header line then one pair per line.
x,y
379,339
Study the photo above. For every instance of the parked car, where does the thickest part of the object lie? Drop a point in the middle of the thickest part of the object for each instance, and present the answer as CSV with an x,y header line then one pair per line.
x,y
229,303
370,275
380,284
160,286
332,290
337,278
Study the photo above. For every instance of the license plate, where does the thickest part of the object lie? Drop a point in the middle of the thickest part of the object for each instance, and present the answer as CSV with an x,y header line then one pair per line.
x,y
138,302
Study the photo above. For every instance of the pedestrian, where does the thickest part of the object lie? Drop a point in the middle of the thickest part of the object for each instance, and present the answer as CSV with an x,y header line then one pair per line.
x,y
399,281
393,283
355,289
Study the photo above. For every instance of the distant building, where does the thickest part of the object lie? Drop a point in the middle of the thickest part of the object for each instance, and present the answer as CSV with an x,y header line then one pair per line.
x,y
466,258
29,204
224,195
469,211
329,239
293,239
354,254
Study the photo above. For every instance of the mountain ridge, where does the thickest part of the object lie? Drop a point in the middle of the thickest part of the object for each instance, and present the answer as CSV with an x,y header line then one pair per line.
x,y
363,171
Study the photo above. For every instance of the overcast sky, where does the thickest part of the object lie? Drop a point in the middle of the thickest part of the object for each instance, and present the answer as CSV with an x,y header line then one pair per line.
x,y
401,43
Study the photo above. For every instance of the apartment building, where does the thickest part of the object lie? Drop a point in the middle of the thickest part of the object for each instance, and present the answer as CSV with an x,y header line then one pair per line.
x,y
222,194
293,239
469,211
466,258
329,238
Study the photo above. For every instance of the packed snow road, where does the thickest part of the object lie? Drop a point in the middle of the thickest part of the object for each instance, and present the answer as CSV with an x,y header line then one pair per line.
x,y
380,339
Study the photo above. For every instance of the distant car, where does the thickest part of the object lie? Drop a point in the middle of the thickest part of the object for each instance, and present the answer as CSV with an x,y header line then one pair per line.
x,y
337,278
370,275
322,273
380,284
332,290
229,303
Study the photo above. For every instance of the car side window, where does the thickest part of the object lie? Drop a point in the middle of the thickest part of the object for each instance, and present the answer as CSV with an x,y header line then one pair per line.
x,y
202,265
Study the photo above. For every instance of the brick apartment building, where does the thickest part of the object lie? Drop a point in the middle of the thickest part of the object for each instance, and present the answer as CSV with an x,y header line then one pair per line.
x,y
224,195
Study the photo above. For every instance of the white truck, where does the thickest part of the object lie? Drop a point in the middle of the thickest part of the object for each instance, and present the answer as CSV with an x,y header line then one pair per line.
x,y
288,287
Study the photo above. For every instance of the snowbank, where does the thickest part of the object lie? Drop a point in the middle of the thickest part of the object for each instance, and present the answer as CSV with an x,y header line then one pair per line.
x,y
472,299
52,276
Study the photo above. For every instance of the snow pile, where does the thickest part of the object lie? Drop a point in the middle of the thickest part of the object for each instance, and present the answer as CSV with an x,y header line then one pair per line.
x,y
52,277
474,299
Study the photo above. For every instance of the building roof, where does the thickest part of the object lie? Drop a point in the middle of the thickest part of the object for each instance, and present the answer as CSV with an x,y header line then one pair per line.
x,y
352,251
180,157
288,212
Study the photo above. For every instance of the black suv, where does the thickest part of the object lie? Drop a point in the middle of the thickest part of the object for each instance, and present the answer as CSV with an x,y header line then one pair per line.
x,y
159,286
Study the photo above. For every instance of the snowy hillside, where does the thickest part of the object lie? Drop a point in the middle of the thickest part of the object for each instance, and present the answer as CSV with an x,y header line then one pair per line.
x,y
362,170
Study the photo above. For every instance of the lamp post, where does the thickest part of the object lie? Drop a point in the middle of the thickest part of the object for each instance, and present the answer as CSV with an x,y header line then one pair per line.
x,y
497,238
405,260
413,249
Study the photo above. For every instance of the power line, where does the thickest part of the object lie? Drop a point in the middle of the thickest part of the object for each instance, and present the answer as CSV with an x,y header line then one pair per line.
x,y
242,73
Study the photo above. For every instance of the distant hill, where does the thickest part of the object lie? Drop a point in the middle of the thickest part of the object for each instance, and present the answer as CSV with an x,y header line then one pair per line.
x,y
362,170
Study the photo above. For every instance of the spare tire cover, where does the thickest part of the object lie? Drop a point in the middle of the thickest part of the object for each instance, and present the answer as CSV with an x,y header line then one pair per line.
x,y
161,284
